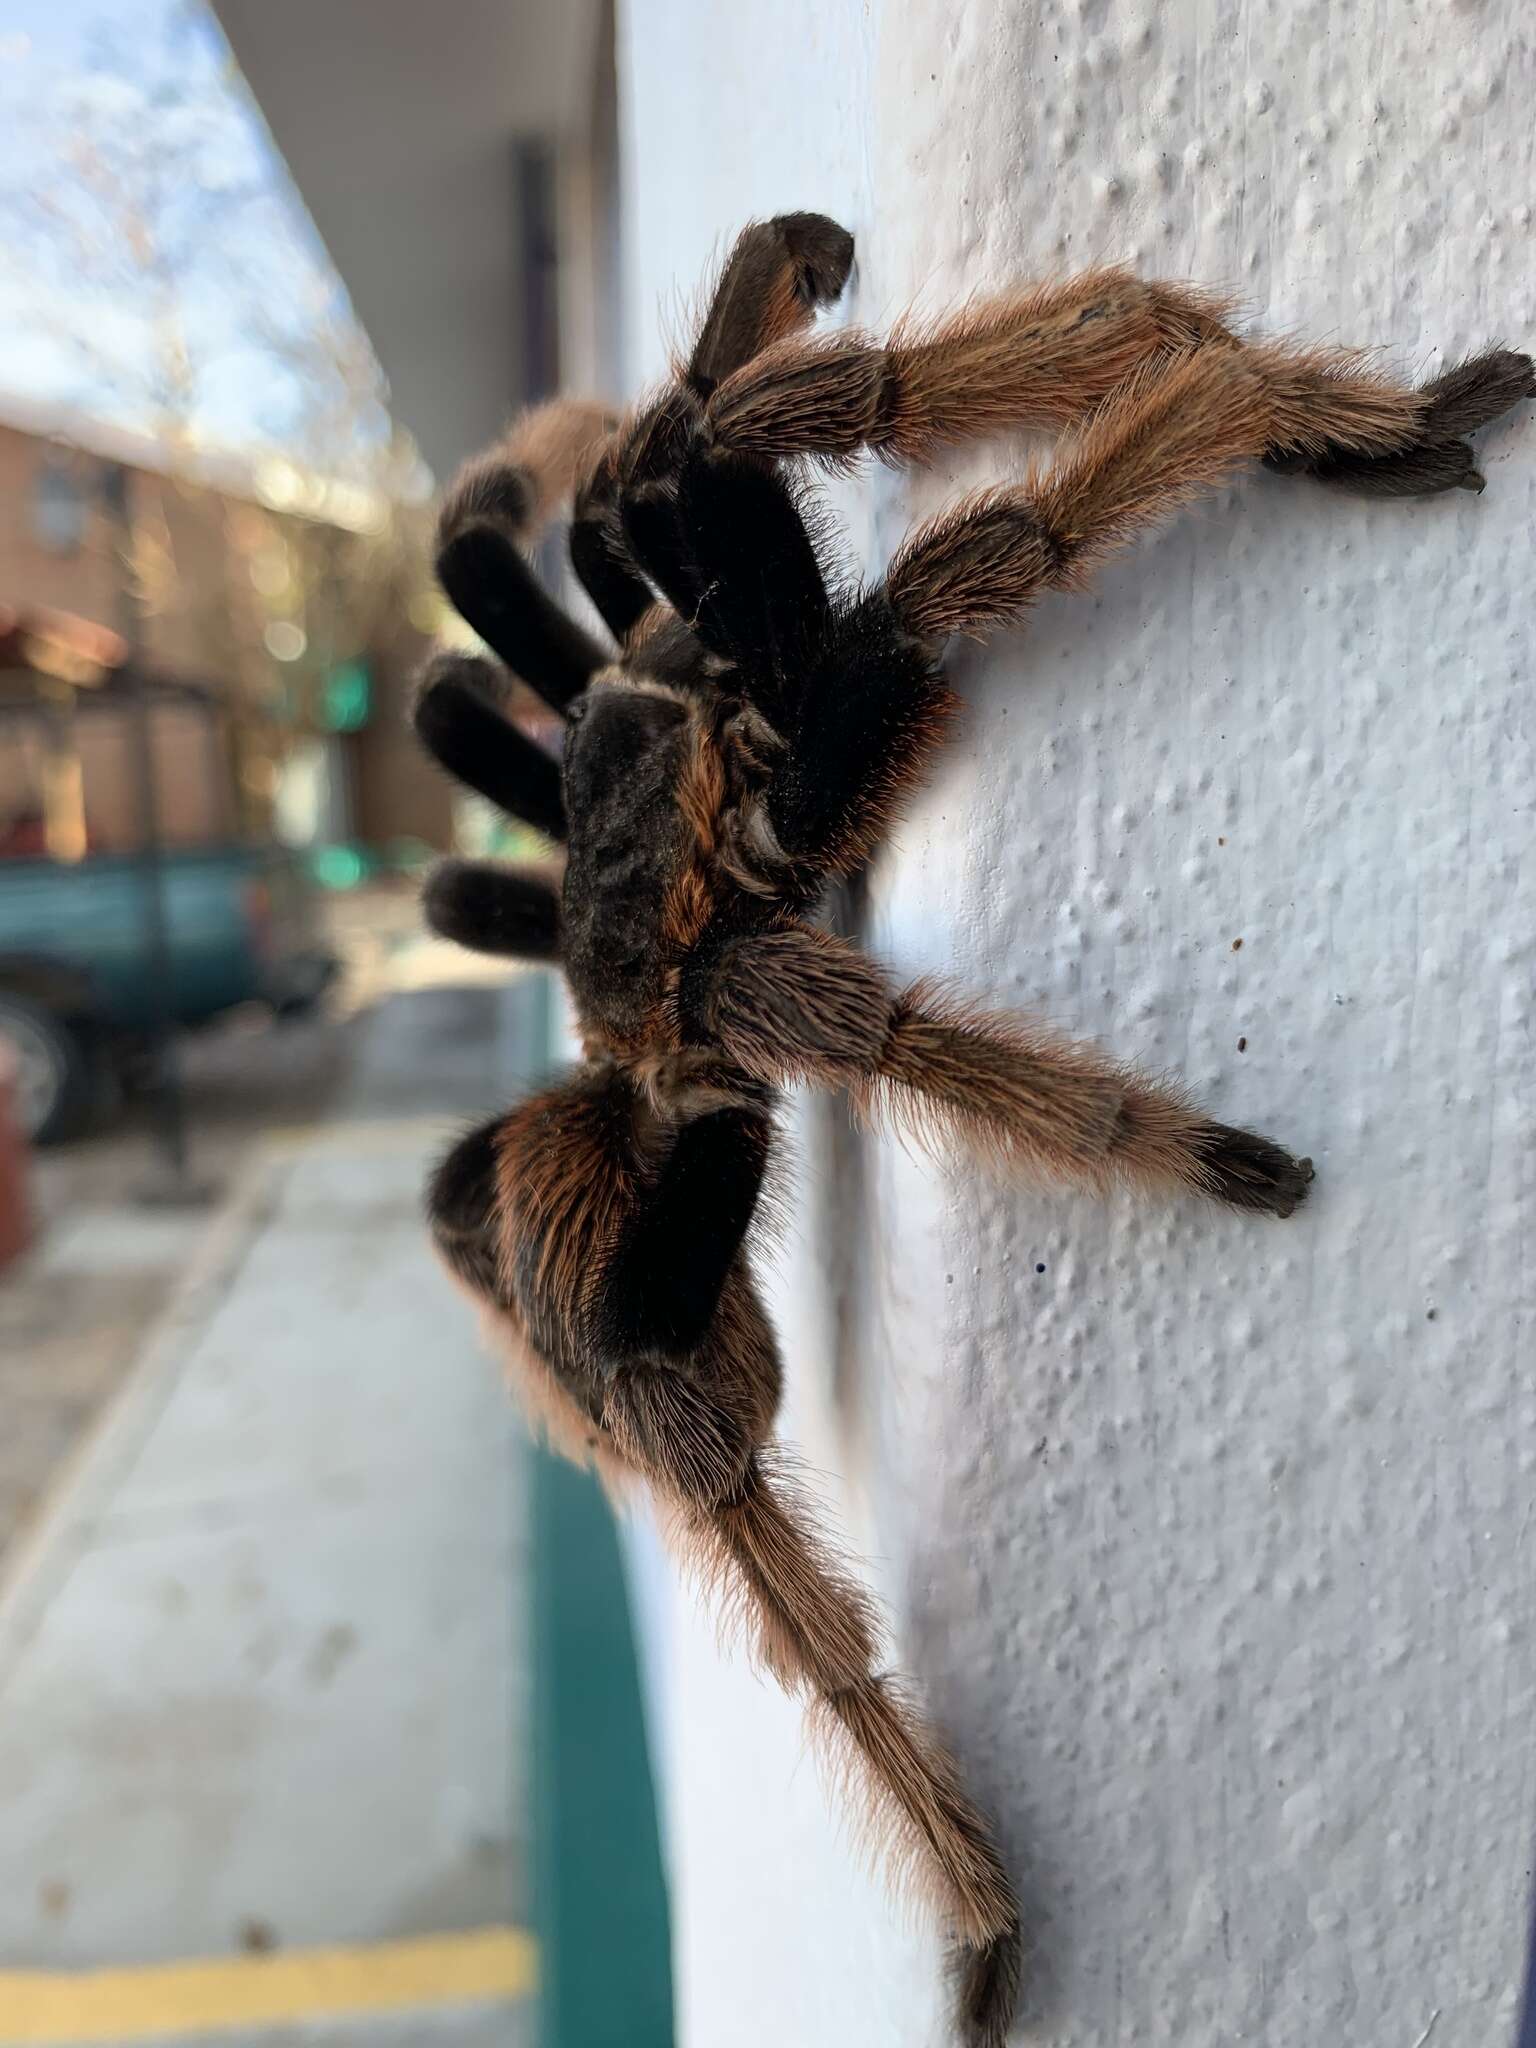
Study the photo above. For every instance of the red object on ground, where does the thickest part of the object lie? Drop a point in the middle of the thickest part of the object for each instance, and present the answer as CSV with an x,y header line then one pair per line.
x,y
15,1208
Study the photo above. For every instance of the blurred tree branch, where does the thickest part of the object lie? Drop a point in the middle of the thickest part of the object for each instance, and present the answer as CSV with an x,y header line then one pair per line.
x,y
160,256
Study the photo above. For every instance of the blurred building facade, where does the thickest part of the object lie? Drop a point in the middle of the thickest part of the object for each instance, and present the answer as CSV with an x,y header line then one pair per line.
x,y
464,176
281,636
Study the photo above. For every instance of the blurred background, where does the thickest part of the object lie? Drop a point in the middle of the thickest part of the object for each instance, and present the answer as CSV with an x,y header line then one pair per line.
x,y
268,1693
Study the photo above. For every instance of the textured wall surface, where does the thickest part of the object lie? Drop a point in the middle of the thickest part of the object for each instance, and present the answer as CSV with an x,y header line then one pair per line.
x,y
1211,1540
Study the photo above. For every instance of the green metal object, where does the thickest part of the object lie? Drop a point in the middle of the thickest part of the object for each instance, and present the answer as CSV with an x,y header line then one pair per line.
x,y
240,928
599,1894
346,698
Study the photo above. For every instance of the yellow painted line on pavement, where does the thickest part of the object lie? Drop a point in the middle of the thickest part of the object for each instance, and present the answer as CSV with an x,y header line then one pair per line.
x,y
166,1999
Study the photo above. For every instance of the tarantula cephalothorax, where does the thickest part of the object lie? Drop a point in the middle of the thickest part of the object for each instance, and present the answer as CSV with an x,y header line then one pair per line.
x,y
749,741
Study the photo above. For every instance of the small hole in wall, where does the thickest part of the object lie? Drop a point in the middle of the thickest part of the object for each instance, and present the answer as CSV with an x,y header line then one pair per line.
x,y
1039,1269
1242,1045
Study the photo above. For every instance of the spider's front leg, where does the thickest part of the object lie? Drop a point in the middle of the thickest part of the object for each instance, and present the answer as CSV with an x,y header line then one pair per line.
x,y
512,913
1158,443
490,514
854,689
493,508
799,1005
777,276
1047,357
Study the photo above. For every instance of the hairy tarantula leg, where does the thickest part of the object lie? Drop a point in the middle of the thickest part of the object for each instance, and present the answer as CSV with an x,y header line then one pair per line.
x,y
457,721
1047,357
493,510
664,1272
521,483
494,588
1455,403
464,1214
870,709
816,1631
1041,357
1160,441
872,705
539,1213
732,554
600,554
460,1200
634,1222
801,1005
777,274
512,912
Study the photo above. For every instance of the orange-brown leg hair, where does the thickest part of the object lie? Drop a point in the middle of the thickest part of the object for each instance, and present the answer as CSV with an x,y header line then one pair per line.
x,y
635,1332
1164,437
874,705
1048,356
777,276
808,1619
800,1005
779,272
521,483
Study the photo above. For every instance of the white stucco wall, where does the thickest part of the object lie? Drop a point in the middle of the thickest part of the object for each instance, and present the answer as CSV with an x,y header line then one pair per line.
x,y
1212,1542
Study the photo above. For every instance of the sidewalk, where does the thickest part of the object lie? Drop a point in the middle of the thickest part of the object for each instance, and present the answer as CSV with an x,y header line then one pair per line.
x,y
260,1692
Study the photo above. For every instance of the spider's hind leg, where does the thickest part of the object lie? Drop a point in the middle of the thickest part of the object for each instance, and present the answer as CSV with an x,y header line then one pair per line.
x,y
460,1201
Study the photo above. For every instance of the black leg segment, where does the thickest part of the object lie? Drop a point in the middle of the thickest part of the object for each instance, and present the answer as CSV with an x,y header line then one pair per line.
x,y
512,912
662,1285
494,588
457,722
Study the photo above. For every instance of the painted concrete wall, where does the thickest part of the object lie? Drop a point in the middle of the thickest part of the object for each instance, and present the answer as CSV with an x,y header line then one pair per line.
x,y
1212,1541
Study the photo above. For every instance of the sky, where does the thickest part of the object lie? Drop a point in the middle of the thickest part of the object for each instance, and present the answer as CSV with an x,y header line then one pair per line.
x,y
157,268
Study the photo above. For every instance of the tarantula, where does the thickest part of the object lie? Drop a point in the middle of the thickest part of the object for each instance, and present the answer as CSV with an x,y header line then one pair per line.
x,y
749,743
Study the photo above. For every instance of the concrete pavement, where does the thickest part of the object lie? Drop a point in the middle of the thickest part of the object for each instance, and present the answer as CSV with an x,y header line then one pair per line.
x,y
260,1668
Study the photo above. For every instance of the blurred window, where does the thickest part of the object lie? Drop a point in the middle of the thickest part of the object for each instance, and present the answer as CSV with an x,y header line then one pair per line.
x,y
59,507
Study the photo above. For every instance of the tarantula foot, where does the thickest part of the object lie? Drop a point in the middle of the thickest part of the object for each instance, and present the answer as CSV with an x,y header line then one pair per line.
x,y
1471,394
822,253
1460,401
448,671
1422,471
1251,1172
442,677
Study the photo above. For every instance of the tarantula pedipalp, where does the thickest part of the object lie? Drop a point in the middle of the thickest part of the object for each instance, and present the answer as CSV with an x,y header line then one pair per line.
x,y
750,740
